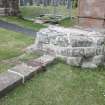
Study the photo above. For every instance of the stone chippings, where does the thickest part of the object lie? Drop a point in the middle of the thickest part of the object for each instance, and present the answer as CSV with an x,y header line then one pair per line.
x,y
9,80
76,45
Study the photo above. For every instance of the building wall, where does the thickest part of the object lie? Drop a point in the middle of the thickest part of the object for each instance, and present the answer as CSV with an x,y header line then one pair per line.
x,y
92,13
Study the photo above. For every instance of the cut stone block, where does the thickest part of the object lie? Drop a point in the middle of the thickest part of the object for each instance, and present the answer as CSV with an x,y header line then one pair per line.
x,y
74,61
25,70
100,50
72,51
81,42
89,65
89,51
98,60
43,61
8,81
101,41
22,72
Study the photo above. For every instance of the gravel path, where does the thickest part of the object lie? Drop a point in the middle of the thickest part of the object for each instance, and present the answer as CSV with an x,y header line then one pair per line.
x,y
17,28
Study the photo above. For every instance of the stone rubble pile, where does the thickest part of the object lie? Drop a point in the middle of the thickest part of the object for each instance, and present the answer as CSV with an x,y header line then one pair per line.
x,y
78,47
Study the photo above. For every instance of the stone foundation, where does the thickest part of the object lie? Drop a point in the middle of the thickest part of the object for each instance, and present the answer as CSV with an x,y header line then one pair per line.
x,y
77,47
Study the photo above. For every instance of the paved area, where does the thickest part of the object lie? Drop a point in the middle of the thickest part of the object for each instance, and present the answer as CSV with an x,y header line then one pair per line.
x,y
17,28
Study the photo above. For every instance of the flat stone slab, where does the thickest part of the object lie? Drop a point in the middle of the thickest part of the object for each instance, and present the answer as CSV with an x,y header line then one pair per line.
x,y
8,81
42,61
22,72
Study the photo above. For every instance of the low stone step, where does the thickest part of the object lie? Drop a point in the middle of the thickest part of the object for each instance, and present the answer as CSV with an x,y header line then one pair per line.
x,y
2,14
42,61
8,81
16,75
22,72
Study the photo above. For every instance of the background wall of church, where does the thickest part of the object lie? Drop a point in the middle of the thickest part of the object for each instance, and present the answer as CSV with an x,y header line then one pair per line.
x,y
92,13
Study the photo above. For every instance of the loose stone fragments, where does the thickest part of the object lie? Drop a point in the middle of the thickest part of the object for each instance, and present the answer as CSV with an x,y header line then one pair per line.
x,y
79,47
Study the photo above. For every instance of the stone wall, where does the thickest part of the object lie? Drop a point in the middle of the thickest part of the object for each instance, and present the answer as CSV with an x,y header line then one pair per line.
x,y
92,13
77,47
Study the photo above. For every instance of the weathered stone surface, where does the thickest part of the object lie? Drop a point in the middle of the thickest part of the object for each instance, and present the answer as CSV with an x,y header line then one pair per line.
x,y
8,81
101,41
89,52
100,50
98,60
20,73
89,65
74,61
11,7
45,60
71,42
72,52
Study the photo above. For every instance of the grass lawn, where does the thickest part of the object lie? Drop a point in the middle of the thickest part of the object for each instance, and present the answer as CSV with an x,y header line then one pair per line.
x,y
67,22
61,85
12,45
35,11
22,22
